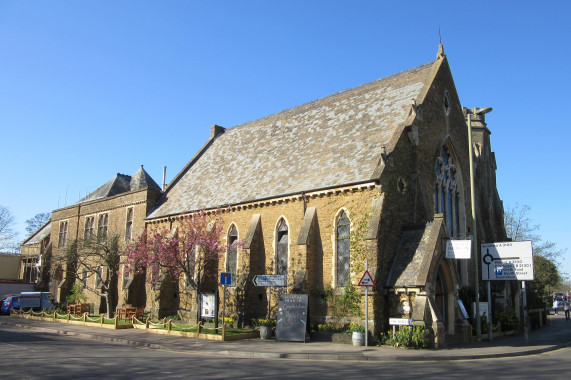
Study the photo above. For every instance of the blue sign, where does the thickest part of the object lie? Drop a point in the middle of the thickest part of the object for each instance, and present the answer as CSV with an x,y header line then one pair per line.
x,y
499,271
225,278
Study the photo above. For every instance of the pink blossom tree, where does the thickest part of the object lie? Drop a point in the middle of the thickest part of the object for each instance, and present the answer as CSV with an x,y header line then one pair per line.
x,y
190,250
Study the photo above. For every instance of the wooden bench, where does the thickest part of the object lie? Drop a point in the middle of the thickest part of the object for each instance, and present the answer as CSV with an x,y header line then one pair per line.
x,y
78,309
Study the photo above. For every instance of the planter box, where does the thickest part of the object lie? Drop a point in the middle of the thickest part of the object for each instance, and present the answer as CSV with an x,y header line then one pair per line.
x,y
331,337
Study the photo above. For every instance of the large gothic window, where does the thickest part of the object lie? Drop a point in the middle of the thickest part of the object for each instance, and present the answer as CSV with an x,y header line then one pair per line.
x,y
446,192
282,248
343,233
231,262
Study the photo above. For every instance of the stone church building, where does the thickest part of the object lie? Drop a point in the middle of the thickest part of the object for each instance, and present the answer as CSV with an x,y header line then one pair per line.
x,y
377,173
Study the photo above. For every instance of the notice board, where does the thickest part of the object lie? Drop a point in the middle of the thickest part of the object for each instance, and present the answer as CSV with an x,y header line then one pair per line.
x,y
292,317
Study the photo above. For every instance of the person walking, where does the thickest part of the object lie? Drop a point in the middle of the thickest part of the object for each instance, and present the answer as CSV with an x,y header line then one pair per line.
x,y
566,308
555,306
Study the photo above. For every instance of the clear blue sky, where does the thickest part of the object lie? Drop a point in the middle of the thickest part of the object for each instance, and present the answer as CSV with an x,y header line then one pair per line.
x,y
93,88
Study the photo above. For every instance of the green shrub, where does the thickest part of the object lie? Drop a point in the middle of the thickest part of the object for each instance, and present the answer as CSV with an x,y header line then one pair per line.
x,y
416,337
76,294
342,305
508,320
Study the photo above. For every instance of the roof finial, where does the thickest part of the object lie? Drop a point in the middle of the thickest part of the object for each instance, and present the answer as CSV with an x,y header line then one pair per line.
x,y
141,166
440,52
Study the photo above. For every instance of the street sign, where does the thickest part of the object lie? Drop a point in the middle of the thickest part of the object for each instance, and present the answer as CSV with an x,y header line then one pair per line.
x,y
225,278
269,280
458,249
366,280
400,322
507,261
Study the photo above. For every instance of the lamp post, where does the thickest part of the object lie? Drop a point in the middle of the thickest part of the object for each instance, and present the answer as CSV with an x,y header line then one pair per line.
x,y
469,113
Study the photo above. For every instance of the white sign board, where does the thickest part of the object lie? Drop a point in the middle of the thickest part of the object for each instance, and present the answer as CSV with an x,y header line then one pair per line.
x,y
269,280
458,249
483,308
507,261
400,322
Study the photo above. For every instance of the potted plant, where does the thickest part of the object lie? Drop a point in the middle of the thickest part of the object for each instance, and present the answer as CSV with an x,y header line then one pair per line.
x,y
266,326
358,334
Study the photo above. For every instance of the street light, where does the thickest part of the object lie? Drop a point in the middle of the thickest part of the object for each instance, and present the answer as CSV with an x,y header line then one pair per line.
x,y
469,113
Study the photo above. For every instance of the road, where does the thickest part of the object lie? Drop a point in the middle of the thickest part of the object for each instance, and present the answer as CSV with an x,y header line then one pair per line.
x,y
26,354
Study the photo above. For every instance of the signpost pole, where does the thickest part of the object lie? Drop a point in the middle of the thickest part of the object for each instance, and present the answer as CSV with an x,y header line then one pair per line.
x,y
224,305
490,333
525,316
269,302
366,281
366,308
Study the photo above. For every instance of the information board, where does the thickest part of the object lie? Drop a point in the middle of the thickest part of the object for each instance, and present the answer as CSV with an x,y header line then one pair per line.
x,y
207,305
507,261
458,249
292,317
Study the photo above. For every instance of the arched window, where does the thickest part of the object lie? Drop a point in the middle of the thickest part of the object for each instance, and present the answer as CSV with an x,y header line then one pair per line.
x,y
282,248
446,192
343,234
231,259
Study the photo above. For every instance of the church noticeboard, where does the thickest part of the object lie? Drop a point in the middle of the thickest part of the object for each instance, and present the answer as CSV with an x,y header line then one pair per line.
x,y
292,317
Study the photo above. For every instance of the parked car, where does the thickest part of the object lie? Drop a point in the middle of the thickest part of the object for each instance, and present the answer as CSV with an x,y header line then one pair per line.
x,y
6,296
37,301
10,302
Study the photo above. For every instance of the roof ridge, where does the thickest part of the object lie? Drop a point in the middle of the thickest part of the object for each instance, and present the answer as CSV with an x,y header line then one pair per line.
x,y
292,110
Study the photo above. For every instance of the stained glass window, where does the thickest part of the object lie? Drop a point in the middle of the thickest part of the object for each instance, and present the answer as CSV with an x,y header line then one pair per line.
x,y
282,248
343,249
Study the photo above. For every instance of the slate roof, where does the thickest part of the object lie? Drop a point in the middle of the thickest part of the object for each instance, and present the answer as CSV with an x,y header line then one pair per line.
x,y
330,142
40,234
415,251
123,183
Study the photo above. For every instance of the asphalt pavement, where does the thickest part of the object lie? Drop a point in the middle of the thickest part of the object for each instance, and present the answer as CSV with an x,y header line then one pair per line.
x,y
554,335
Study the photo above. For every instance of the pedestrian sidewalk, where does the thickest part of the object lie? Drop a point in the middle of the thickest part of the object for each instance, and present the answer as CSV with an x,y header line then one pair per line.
x,y
556,334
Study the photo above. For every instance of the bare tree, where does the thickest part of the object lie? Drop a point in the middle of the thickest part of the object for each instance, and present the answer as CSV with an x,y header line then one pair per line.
x,y
8,237
33,224
100,258
545,253
95,258
519,227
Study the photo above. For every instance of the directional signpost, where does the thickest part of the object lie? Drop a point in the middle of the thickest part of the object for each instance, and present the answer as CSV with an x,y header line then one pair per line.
x,y
225,279
269,280
512,260
367,282
507,261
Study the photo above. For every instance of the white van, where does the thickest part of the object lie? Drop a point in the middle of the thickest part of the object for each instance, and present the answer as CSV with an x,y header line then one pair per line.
x,y
37,301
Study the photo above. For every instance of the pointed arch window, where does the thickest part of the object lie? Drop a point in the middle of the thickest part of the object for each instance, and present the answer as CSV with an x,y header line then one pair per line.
x,y
343,235
232,258
282,247
446,192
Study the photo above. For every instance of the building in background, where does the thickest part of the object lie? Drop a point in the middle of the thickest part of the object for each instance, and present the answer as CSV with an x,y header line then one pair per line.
x,y
88,236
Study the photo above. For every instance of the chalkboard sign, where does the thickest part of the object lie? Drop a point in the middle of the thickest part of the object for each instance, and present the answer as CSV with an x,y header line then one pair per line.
x,y
292,317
